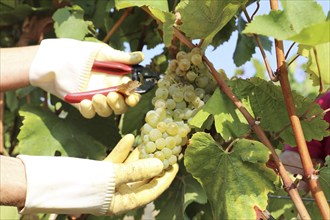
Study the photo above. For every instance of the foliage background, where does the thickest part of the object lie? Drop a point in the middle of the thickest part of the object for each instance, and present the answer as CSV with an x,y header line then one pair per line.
x,y
31,117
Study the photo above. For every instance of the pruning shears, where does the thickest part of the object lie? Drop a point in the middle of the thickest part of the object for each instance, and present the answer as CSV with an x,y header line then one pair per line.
x,y
145,77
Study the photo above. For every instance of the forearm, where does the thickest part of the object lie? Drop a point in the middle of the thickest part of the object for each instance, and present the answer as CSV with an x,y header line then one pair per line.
x,y
12,182
15,65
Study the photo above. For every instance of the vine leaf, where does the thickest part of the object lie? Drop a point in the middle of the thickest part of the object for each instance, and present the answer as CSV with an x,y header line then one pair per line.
x,y
296,22
323,57
170,203
233,181
43,133
67,18
266,101
162,5
229,122
137,113
245,46
159,10
204,19
181,193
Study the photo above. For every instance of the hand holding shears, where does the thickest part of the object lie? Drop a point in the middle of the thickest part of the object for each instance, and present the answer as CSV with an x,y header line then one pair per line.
x,y
123,89
92,76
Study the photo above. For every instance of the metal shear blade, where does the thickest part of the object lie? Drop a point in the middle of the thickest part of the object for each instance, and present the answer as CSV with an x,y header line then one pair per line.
x,y
147,80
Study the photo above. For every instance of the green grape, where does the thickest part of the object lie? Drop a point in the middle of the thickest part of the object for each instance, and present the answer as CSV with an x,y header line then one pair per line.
x,y
160,155
160,143
180,94
170,104
197,50
166,164
202,81
196,59
170,142
152,118
160,103
167,152
172,65
150,147
172,128
162,126
155,134
176,150
184,64
180,72
161,93
180,55
172,160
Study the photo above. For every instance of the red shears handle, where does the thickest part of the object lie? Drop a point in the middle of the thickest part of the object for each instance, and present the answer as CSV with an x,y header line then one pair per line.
x,y
114,68
111,67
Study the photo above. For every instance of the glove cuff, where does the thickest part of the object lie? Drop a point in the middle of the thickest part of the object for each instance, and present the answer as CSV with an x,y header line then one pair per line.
x,y
63,65
67,185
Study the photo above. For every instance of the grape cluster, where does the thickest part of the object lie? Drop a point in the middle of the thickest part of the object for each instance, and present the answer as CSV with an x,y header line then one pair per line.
x,y
183,90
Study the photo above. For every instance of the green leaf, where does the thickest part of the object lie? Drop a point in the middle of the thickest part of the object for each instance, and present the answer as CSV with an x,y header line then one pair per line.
x,y
313,35
168,20
324,177
69,23
159,4
229,123
279,205
245,46
233,181
295,22
137,113
193,192
266,101
43,133
323,57
204,19
170,202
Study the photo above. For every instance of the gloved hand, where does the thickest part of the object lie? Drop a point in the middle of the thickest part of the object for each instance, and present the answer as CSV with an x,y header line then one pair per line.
x,y
63,66
66,185
130,193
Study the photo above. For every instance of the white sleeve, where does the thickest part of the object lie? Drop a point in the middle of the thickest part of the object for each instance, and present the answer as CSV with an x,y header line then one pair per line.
x,y
63,66
67,185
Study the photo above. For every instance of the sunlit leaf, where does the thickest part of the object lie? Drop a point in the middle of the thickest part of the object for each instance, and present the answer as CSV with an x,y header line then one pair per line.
x,y
321,74
159,4
67,18
229,123
246,45
44,133
204,19
267,103
295,22
233,181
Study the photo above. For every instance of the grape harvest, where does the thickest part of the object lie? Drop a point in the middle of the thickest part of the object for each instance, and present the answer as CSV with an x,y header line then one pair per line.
x,y
183,90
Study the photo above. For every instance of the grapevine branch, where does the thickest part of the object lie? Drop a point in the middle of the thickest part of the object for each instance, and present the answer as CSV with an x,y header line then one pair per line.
x,y
118,23
271,74
308,168
293,192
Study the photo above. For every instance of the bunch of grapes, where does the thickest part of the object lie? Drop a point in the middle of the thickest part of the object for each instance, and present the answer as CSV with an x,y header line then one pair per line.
x,y
183,90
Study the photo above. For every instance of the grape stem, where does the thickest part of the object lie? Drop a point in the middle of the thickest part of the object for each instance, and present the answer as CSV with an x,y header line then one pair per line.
x,y
306,160
270,72
293,192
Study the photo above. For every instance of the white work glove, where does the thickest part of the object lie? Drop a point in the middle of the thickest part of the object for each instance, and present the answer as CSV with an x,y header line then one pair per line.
x,y
75,186
63,66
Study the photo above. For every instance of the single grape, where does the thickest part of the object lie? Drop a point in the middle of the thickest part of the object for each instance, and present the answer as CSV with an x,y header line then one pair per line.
x,y
155,134
150,147
196,59
172,160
